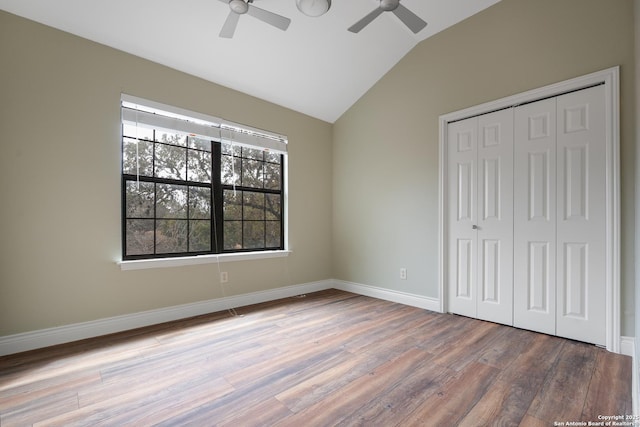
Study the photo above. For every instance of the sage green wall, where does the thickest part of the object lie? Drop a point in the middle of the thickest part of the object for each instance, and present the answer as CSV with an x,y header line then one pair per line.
x,y
376,189
385,156
60,183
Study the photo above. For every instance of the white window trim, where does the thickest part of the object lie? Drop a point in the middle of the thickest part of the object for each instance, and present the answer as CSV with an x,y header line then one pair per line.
x,y
229,132
144,264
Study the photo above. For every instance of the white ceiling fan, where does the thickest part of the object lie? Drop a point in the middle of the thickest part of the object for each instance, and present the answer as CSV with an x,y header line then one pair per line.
x,y
241,7
408,18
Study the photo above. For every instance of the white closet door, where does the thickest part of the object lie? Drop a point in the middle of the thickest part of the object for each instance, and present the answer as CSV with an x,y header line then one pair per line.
x,y
495,217
480,257
462,237
535,217
581,239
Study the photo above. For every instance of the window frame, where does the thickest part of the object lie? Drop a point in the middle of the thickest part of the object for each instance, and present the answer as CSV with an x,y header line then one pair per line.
x,y
237,136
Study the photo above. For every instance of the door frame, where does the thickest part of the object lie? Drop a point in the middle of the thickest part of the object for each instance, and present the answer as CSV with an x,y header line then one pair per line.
x,y
611,80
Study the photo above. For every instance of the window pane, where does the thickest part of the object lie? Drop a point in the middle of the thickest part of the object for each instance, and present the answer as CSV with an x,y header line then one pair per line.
x,y
171,138
169,209
272,179
273,232
230,149
230,172
171,201
139,132
139,236
171,236
232,207
199,166
199,236
232,235
273,157
252,153
199,203
273,207
139,199
137,160
253,234
253,208
171,162
199,143
252,173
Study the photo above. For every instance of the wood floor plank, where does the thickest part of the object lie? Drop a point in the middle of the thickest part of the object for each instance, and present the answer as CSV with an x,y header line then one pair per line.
x,y
142,402
412,319
318,387
504,404
325,358
345,401
529,421
386,408
252,393
563,395
455,400
28,413
511,344
267,413
609,387
466,348
509,398
42,390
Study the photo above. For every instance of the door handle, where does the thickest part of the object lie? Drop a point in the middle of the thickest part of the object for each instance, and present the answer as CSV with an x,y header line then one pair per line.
x,y
474,227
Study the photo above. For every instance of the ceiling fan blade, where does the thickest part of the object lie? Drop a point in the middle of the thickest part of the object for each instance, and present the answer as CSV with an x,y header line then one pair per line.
x,y
230,25
271,18
355,28
410,19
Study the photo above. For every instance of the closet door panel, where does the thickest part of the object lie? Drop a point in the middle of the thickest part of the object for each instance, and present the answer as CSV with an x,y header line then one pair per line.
x,y
495,217
535,216
462,207
581,258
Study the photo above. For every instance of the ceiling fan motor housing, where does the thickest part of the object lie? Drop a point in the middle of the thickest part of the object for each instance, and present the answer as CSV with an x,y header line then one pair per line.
x,y
389,5
239,6
313,8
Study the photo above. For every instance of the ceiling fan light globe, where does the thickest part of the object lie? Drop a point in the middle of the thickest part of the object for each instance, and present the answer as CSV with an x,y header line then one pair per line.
x,y
239,6
389,5
313,8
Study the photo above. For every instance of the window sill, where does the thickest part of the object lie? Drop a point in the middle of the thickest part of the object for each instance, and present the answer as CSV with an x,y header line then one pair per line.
x,y
200,259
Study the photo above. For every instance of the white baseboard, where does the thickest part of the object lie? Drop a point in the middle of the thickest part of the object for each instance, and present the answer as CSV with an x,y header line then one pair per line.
x,y
413,300
628,348
63,334
59,335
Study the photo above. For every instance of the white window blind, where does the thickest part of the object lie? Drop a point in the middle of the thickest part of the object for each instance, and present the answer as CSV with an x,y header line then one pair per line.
x,y
145,113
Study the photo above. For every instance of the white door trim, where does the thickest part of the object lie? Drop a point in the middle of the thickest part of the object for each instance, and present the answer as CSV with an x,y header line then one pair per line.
x,y
610,77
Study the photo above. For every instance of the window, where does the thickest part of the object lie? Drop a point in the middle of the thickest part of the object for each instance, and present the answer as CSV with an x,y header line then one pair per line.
x,y
193,184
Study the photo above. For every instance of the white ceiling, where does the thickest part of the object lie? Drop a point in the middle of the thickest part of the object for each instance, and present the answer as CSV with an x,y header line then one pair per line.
x,y
316,67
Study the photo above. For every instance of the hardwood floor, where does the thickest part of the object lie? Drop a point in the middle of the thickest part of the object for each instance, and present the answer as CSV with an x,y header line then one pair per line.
x,y
330,358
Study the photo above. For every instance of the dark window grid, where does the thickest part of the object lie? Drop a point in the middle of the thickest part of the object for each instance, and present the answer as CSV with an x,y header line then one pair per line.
x,y
264,174
156,179
168,181
264,157
262,189
265,221
156,143
264,208
217,188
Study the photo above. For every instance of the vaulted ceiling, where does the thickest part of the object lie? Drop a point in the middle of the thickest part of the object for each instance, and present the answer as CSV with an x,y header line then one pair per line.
x,y
315,67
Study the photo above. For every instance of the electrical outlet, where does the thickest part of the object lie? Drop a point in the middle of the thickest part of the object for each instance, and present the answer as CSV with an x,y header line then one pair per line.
x,y
403,273
224,277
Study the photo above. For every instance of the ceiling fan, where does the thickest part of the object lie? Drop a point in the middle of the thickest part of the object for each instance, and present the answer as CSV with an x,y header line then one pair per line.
x,y
408,18
241,7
